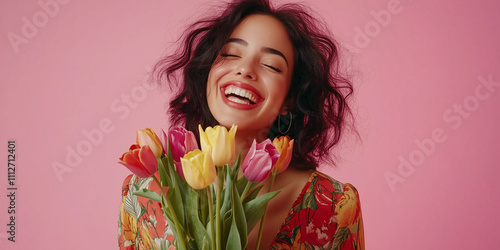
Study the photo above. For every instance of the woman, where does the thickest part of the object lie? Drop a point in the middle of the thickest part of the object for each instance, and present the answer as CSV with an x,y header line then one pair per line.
x,y
271,72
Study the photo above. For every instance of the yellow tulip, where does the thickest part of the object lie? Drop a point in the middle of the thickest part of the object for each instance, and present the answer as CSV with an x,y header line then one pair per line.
x,y
219,143
199,169
285,147
148,137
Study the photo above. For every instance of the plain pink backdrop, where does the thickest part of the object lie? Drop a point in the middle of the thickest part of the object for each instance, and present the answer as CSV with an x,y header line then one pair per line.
x,y
418,69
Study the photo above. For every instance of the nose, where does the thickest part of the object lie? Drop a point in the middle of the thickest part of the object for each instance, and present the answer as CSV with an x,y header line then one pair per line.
x,y
246,70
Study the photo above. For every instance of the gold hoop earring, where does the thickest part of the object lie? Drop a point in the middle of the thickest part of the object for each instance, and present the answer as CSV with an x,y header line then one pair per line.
x,y
289,125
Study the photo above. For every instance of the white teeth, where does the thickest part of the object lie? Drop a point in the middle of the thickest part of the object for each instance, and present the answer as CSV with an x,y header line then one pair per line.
x,y
236,99
241,93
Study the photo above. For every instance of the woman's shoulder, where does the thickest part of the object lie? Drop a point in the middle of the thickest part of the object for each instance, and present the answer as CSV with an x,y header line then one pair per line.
x,y
327,215
342,198
126,184
321,180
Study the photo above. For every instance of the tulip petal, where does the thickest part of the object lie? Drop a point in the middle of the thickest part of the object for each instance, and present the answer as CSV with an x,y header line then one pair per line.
x,y
198,168
133,164
259,168
250,155
176,144
285,147
205,143
148,137
148,159
273,153
163,140
190,142
131,160
140,172
259,161
219,143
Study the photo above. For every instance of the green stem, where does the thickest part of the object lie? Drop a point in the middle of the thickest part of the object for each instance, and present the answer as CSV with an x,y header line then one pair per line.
x,y
261,228
211,212
182,237
220,183
247,187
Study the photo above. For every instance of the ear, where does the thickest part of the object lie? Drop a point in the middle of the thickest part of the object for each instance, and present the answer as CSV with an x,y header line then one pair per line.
x,y
287,106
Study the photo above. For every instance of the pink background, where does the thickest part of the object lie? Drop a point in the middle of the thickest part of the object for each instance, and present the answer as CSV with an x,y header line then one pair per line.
x,y
425,118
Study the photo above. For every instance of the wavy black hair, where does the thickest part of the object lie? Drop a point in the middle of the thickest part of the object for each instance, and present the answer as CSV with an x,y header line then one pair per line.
x,y
318,90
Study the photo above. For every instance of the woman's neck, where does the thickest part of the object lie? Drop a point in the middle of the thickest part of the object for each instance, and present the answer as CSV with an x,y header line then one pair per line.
x,y
244,140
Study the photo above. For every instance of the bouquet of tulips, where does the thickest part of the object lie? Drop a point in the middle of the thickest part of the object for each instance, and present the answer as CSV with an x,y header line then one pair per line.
x,y
206,202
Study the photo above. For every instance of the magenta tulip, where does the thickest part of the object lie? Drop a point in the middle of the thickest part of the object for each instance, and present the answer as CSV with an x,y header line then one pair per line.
x,y
182,141
140,160
260,160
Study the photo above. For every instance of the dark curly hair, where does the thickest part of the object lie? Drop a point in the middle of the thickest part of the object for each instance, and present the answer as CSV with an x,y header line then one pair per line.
x,y
318,90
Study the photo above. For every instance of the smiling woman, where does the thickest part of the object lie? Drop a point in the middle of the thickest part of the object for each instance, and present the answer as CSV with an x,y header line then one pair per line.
x,y
252,63
267,70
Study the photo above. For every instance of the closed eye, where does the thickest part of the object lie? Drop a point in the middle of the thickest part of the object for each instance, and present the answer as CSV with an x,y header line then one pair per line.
x,y
273,68
228,55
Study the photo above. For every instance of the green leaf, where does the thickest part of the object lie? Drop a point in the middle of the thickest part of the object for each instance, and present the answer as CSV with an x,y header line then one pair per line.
x,y
252,195
206,244
226,226
203,206
255,208
226,197
164,173
236,168
233,239
170,162
175,198
196,228
239,217
241,183
192,244
170,219
148,194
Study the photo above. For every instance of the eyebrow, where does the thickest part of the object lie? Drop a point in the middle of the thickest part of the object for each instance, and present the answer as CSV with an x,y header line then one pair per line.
x,y
264,49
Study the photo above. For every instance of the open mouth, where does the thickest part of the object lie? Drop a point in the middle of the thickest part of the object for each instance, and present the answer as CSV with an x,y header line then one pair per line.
x,y
242,96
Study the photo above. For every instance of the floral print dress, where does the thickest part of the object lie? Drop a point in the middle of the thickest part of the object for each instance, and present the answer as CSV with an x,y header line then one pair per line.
x,y
326,215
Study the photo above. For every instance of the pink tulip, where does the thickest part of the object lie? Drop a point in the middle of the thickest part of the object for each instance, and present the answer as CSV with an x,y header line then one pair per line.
x,y
140,160
182,141
260,160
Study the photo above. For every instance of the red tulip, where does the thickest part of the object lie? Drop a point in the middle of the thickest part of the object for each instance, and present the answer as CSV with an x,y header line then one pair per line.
x,y
140,160
260,160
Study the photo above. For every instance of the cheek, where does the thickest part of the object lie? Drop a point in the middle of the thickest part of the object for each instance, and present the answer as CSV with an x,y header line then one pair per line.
x,y
220,68
213,76
278,89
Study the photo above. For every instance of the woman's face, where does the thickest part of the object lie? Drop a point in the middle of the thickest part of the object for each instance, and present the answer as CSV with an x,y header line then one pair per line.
x,y
250,78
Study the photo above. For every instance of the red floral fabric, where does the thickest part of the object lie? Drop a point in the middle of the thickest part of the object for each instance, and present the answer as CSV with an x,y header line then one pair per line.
x,y
326,215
